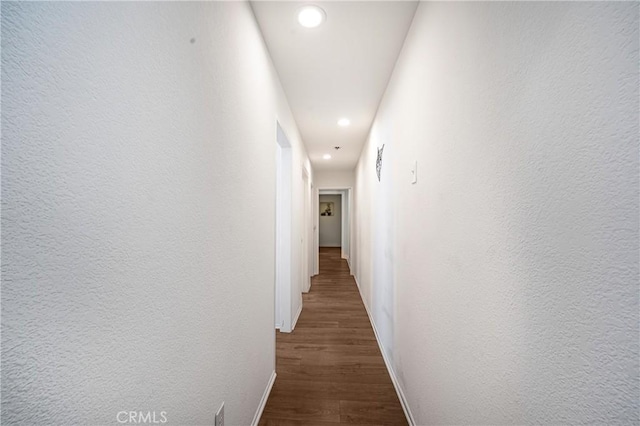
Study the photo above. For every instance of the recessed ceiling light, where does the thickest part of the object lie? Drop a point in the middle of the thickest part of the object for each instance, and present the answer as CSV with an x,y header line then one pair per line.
x,y
326,157
344,122
311,16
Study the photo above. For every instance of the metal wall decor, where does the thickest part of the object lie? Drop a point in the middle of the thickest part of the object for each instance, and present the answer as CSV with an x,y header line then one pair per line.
x,y
379,162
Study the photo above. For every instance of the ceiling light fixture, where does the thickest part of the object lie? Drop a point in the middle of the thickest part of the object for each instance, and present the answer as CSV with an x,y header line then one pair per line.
x,y
311,16
344,122
326,157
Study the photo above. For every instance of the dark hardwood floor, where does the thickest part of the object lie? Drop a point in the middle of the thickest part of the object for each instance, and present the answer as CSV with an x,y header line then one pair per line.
x,y
330,369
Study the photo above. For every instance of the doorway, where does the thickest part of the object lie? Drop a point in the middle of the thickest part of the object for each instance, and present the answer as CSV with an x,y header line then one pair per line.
x,y
330,234
334,222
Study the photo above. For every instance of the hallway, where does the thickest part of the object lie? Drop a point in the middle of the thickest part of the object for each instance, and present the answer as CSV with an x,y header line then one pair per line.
x,y
330,369
162,167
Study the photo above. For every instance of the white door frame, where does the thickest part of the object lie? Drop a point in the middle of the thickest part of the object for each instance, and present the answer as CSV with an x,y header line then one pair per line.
x,y
347,222
283,283
306,231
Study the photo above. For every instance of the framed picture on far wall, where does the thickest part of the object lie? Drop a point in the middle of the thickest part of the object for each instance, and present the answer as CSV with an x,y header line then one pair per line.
x,y
326,209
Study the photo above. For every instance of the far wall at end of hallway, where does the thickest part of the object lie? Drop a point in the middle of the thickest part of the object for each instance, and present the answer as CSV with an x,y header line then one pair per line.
x,y
331,226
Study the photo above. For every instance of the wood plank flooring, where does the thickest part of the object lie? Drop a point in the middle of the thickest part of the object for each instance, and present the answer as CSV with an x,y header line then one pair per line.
x,y
330,369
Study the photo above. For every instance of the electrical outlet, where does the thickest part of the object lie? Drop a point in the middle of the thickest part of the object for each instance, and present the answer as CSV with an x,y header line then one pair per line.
x,y
220,416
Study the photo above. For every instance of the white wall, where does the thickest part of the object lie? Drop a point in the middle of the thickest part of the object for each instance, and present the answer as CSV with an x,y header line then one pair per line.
x,y
331,226
338,179
138,179
512,264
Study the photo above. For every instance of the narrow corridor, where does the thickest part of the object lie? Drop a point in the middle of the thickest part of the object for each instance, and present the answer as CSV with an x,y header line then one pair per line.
x,y
330,369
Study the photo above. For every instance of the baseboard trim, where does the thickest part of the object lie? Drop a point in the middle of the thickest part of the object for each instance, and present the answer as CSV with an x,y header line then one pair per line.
x,y
387,363
295,319
263,401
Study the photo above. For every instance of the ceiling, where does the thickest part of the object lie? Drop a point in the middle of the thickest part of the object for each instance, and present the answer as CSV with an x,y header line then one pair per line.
x,y
339,69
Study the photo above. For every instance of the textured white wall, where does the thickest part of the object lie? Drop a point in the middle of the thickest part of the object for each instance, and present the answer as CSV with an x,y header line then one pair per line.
x,y
331,226
138,178
515,257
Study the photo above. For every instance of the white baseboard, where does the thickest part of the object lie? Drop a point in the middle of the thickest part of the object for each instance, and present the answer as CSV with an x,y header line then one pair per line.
x,y
295,319
387,362
263,401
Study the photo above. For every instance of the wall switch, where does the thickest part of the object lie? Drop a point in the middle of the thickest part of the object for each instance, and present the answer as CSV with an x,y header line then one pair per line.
x,y
220,416
414,172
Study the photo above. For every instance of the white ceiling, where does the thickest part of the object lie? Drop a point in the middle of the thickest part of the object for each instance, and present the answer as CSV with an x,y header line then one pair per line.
x,y
339,69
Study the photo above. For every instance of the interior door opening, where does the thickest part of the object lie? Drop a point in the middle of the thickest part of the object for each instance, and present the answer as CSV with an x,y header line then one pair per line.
x,y
330,220
333,221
